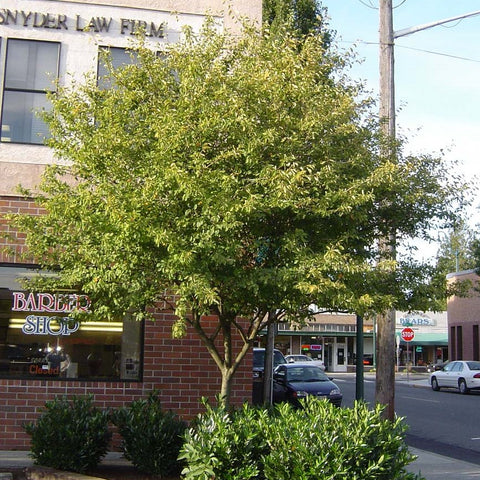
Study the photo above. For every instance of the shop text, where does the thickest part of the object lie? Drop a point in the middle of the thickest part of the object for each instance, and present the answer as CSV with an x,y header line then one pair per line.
x,y
38,325
47,302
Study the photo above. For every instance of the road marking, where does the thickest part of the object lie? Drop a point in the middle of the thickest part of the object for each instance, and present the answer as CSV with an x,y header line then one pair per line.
x,y
475,438
422,400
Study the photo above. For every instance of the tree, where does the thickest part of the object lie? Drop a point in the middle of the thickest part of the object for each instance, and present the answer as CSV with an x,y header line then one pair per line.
x,y
457,249
303,17
239,177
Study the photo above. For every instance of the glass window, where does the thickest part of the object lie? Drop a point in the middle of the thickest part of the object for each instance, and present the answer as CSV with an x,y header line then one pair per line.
x,y
38,338
119,58
31,70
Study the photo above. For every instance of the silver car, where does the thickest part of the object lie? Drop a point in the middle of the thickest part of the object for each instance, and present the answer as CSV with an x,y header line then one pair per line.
x,y
305,358
463,375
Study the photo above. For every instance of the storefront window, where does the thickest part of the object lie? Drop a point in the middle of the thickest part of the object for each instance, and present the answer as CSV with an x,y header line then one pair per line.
x,y
38,338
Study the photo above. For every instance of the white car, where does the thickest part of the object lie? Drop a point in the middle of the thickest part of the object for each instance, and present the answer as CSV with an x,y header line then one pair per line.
x,y
464,375
305,358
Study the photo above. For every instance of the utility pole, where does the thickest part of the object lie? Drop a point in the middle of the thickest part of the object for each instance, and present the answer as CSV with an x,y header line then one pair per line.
x,y
385,344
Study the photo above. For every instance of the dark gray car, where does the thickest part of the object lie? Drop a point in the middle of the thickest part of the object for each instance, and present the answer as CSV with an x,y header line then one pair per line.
x,y
294,381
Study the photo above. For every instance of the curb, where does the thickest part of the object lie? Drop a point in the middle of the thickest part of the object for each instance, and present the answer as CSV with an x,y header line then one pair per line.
x,y
46,473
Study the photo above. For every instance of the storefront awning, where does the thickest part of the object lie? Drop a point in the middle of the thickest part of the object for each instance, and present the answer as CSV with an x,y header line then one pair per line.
x,y
435,339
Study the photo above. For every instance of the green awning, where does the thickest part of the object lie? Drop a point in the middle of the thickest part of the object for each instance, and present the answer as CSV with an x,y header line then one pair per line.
x,y
435,339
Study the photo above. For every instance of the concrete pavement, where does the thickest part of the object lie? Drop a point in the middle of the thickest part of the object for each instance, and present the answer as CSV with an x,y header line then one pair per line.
x,y
430,465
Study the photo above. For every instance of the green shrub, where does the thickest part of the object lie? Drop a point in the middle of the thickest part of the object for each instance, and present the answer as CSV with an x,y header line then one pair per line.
x,y
70,435
151,437
226,445
318,442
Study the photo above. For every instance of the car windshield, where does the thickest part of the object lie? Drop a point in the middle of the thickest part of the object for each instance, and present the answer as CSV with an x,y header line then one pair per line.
x,y
306,374
258,358
278,358
473,365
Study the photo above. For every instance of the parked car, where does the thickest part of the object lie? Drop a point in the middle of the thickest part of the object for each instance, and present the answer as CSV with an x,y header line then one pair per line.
x,y
368,359
305,358
294,381
433,367
464,375
259,361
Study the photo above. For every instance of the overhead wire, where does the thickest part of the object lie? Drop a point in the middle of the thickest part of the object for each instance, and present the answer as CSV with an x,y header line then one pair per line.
x,y
415,49
370,5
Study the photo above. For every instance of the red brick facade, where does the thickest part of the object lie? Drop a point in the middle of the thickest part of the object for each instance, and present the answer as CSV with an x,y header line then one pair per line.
x,y
182,371
464,320
9,238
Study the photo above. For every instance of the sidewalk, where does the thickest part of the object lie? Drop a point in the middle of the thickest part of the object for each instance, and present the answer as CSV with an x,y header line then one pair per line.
x,y
430,465
438,467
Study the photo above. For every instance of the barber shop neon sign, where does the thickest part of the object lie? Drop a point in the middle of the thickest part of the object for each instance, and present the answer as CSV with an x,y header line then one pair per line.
x,y
48,303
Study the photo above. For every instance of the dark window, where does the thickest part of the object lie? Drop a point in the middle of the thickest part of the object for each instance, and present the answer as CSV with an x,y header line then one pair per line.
x,y
459,343
31,70
453,342
476,345
38,338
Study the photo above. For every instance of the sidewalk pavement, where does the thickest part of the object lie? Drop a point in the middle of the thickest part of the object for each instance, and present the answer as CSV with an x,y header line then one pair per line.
x,y
430,465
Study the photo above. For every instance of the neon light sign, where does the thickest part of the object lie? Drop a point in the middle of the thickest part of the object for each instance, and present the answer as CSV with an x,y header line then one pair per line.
x,y
49,303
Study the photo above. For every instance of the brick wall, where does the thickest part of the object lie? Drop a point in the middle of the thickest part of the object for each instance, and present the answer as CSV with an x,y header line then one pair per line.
x,y
180,369
10,238
464,320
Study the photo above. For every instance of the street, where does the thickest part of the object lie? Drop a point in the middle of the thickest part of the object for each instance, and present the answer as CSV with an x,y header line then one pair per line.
x,y
444,422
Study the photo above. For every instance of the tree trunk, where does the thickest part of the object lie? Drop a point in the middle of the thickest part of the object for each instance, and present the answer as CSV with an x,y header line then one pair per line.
x,y
226,388
385,376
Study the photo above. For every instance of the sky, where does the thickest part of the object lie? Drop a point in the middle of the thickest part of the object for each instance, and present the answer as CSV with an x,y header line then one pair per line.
x,y
437,74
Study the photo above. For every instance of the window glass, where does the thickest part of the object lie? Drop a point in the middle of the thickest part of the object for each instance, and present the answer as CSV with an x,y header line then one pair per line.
x,y
448,367
20,124
38,339
119,58
474,365
31,65
31,69
455,367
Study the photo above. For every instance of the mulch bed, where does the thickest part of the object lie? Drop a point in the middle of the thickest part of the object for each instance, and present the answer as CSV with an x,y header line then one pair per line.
x,y
107,472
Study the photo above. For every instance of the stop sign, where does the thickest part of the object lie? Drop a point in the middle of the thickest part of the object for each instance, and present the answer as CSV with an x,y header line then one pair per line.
x,y
408,334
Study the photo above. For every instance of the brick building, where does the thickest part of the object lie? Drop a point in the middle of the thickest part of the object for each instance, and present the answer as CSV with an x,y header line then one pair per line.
x,y
464,320
41,358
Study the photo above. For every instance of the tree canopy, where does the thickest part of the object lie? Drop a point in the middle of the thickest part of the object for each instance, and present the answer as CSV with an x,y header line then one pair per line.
x,y
235,176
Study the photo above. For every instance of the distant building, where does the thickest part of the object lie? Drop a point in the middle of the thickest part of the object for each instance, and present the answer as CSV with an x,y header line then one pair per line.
x,y
464,320
331,337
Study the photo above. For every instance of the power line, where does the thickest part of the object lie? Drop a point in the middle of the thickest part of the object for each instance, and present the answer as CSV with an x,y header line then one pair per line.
x,y
441,54
370,5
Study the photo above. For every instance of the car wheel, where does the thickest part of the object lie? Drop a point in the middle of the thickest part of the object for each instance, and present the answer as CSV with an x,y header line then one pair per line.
x,y
435,386
462,386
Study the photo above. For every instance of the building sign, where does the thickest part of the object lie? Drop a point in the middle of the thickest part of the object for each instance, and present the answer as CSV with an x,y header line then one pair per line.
x,y
311,347
78,23
49,303
416,321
